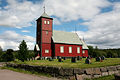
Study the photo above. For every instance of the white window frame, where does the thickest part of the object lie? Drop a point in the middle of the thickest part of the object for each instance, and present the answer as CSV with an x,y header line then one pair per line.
x,y
48,22
83,51
70,49
61,49
45,21
46,50
78,49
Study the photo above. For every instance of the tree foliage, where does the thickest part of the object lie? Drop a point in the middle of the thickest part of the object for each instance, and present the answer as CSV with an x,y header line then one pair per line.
x,y
110,53
7,56
23,52
1,52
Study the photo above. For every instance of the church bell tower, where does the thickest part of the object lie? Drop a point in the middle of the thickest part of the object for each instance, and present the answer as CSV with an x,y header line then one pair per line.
x,y
44,34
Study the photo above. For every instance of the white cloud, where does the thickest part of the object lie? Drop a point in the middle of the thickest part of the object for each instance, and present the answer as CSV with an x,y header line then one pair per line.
x,y
25,31
21,14
68,10
104,29
11,39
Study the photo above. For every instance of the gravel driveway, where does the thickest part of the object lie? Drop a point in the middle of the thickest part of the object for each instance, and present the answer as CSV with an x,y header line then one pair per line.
x,y
11,75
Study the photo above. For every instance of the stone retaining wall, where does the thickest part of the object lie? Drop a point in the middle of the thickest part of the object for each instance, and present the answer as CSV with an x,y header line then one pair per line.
x,y
70,73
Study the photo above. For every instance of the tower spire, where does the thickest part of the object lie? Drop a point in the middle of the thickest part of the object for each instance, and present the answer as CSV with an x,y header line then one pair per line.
x,y
44,8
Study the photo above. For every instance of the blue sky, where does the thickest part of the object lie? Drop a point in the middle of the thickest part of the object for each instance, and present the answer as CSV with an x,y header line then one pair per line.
x,y
95,20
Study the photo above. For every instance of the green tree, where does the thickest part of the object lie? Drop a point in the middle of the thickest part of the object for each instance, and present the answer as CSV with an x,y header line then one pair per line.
x,y
0,48
109,54
23,52
1,52
90,50
8,56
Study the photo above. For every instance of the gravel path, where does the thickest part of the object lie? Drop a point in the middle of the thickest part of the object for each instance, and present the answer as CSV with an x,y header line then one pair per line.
x,y
11,75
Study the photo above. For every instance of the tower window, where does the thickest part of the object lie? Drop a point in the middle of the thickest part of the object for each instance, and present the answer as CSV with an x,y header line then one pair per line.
x,y
62,49
46,51
78,49
70,49
47,32
83,51
45,22
48,22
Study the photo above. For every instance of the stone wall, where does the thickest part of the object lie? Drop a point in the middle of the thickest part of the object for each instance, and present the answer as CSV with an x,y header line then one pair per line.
x,y
71,73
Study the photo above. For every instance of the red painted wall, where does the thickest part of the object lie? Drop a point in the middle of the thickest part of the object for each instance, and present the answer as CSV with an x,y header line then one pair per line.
x,y
48,47
86,53
46,38
46,26
66,50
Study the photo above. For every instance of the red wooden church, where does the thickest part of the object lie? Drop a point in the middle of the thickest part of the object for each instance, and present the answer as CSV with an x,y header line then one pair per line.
x,y
51,43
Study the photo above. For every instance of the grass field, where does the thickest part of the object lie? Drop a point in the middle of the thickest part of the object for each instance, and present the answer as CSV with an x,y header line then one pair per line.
x,y
79,64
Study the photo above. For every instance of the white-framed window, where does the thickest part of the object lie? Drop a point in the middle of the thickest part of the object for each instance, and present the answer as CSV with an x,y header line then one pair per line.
x,y
61,49
70,49
78,49
83,51
45,22
48,22
47,32
46,51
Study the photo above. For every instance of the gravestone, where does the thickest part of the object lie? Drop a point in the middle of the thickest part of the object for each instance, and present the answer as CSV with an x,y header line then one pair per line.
x,y
63,58
98,58
73,59
88,61
59,59
103,57
88,57
117,76
50,59
79,58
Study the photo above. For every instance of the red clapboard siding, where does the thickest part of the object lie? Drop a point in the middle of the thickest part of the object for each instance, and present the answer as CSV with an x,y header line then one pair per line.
x,y
46,26
48,47
86,53
46,36
66,50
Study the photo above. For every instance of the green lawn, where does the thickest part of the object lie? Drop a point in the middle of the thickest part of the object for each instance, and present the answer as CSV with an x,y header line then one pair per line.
x,y
78,64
